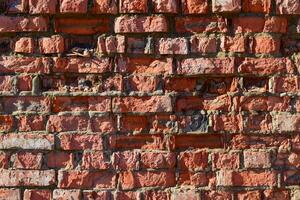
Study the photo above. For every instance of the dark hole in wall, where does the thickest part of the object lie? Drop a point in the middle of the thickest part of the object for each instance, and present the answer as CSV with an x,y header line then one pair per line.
x,y
4,45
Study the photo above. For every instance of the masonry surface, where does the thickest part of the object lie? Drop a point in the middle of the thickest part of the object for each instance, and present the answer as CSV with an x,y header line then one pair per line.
x,y
149,100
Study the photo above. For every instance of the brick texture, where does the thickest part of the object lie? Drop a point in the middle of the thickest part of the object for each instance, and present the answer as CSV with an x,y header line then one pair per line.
x,y
149,99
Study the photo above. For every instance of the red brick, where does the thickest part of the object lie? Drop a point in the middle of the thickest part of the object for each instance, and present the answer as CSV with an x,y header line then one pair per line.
x,y
31,123
82,65
181,84
24,45
23,24
27,141
30,194
246,178
104,6
53,44
73,6
265,66
194,6
145,65
203,141
172,46
86,179
257,159
203,44
6,123
80,141
42,6
60,194
133,6
287,7
27,178
158,160
165,6
234,44
132,180
259,103
253,195
257,6
200,24
27,160
231,122
12,64
157,194
225,160
94,160
250,24
193,179
82,103
59,160
10,194
286,84
126,160
265,44
193,160
190,66
140,24
226,6
81,26
144,104
101,195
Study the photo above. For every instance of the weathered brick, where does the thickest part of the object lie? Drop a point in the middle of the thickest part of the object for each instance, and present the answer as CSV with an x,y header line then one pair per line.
x,y
31,123
131,180
226,6
42,6
287,7
172,46
73,6
143,83
86,179
24,45
80,141
111,44
59,194
6,123
234,44
145,104
197,179
226,160
95,160
27,141
232,122
27,178
265,44
90,195
11,64
133,6
194,6
165,6
158,160
190,66
126,160
27,160
257,159
23,24
10,194
104,6
193,160
30,194
59,160
156,194
288,84
53,44
255,195
200,24
203,44
140,24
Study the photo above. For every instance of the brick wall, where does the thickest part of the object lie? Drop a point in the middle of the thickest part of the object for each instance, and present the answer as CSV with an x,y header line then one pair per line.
x,y
149,100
